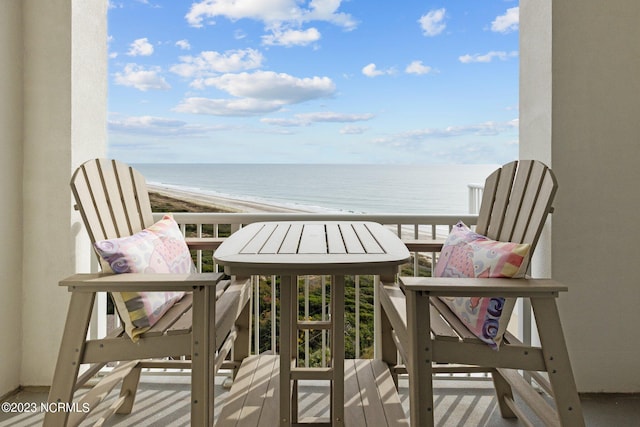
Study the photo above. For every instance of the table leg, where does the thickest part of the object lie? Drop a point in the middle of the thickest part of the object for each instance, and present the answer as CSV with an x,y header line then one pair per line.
x,y
287,302
337,351
294,346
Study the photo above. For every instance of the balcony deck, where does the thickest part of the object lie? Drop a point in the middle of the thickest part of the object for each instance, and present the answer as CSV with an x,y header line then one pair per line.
x,y
163,400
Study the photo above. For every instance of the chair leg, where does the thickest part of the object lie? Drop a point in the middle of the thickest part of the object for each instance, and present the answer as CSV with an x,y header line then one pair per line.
x,y
129,388
70,356
203,357
242,343
420,360
557,362
503,390
389,351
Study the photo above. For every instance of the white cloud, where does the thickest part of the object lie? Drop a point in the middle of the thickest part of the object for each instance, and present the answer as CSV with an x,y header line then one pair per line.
x,y
142,79
140,47
227,107
268,11
305,119
256,93
112,54
432,23
487,57
183,44
508,22
268,85
284,122
157,126
335,117
372,70
292,37
413,137
283,19
151,5
271,12
327,10
211,62
417,67
353,130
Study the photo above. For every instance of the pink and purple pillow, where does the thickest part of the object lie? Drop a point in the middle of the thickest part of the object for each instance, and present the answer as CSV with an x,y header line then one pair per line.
x,y
161,248
468,254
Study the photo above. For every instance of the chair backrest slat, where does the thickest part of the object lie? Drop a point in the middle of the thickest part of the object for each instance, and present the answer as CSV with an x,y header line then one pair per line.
x,y
514,223
112,189
516,201
543,206
112,199
127,193
85,202
495,202
96,206
488,196
142,197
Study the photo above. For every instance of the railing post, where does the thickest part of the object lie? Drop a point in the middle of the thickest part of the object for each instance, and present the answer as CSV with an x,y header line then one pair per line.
x,y
256,315
475,197
377,320
306,317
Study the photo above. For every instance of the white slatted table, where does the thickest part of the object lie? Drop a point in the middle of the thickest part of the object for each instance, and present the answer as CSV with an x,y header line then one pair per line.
x,y
291,249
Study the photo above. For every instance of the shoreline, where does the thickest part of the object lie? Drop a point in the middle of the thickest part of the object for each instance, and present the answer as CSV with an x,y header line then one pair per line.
x,y
169,199
219,203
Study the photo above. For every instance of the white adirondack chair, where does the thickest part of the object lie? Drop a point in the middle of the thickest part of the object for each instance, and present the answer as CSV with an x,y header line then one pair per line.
x,y
113,200
430,338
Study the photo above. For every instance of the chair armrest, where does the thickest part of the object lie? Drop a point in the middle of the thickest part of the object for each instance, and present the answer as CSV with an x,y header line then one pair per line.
x,y
471,287
204,243
423,245
137,282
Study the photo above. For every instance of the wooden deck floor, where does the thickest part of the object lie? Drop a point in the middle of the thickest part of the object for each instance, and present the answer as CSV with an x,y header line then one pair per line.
x,y
370,397
164,401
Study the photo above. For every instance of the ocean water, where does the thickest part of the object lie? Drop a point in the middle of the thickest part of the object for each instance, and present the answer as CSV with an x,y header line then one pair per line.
x,y
411,189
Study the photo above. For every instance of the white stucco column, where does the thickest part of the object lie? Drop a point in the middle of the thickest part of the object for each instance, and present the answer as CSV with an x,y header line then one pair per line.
x,y
10,193
579,104
65,72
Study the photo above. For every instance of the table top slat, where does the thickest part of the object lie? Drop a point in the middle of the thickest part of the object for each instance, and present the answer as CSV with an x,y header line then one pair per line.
x,y
273,245
313,239
292,239
351,240
371,245
256,243
334,240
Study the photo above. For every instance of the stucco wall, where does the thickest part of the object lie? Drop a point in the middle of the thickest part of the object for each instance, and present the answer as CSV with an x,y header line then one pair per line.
x,y
579,108
10,193
65,84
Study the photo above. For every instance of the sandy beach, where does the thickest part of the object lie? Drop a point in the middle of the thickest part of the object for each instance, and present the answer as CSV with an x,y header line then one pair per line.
x,y
216,203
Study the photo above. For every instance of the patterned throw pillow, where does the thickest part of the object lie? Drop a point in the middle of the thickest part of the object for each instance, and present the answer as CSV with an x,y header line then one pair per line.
x,y
468,254
160,248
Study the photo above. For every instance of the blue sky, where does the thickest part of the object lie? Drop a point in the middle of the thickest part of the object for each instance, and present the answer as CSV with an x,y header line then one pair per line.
x,y
320,81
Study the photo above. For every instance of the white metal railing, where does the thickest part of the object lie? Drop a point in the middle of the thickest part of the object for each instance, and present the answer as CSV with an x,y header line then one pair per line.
x,y
363,315
365,299
362,318
475,197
